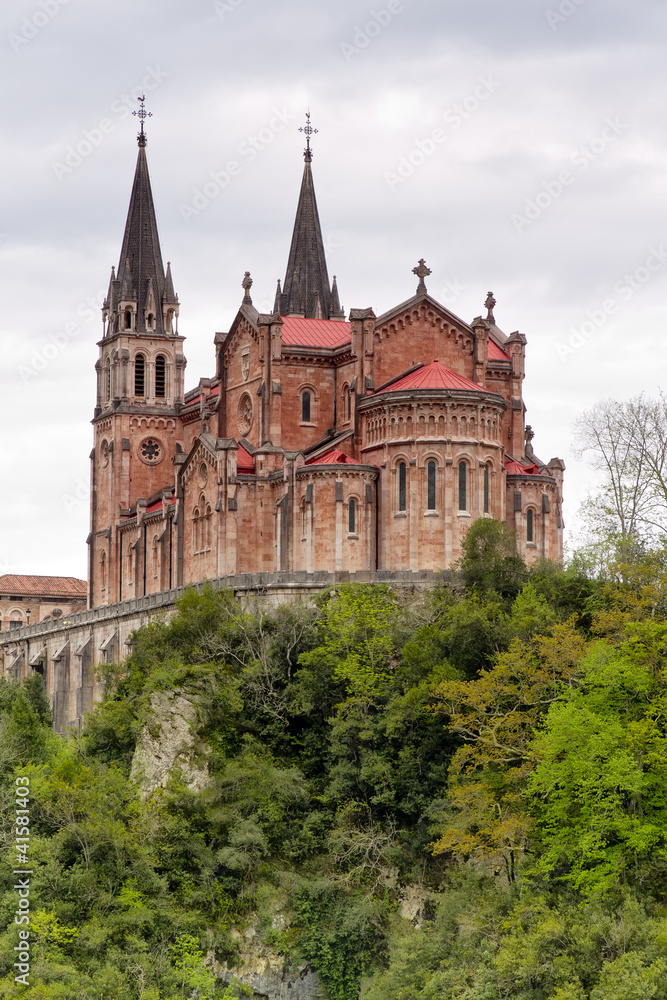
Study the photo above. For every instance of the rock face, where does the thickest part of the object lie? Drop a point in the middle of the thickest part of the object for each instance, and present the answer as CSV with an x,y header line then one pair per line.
x,y
168,742
268,974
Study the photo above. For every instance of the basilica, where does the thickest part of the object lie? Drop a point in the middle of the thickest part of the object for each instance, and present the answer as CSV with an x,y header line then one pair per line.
x,y
322,441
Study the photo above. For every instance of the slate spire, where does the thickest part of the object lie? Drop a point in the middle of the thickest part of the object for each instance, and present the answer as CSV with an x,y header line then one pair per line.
x,y
306,290
141,274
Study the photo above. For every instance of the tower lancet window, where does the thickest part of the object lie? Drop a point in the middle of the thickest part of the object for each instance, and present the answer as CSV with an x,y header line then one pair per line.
x,y
139,375
160,376
128,319
463,486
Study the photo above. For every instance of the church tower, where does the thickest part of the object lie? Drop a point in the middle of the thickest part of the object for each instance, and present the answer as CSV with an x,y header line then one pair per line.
x,y
139,388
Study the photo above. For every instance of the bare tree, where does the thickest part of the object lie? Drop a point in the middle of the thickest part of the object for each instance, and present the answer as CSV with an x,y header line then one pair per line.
x,y
627,441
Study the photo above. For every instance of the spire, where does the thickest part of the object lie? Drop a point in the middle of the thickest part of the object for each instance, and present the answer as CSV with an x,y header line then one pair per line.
x,y
169,293
306,277
337,311
276,302
140,270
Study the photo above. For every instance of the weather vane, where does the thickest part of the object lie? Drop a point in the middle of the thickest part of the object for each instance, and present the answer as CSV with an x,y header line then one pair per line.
x,y
142,114
308,130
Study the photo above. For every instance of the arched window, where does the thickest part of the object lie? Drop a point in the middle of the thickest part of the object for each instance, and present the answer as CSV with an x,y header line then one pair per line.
x,y
107,379
196,522
128,319
305,406
149,321
352,516
349,404
155,557
463,486
139,375
160,375
430,485
402,484
530,526
15,619
103,570
486,489
209,520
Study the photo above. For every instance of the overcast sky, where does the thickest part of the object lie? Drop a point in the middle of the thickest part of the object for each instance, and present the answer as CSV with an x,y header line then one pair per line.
x,y
516,145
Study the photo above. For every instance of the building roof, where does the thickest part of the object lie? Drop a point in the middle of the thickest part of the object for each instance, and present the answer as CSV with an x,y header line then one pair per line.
x,y
43,586
514,468
244,462
300,332
433,376
333,457
306,288
496,353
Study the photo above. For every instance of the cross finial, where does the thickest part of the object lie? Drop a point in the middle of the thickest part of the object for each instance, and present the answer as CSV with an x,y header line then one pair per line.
x,y
246,284
490,303
422,271
142,114
308,130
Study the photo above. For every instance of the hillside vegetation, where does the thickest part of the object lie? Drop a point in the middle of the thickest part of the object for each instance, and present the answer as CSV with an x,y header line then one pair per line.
x,y
461,795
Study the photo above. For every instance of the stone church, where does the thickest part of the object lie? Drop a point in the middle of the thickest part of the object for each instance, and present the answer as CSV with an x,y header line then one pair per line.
x,y
321,442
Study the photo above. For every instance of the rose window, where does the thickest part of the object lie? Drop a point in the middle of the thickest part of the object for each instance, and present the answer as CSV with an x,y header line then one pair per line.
x,y
150,450
244,416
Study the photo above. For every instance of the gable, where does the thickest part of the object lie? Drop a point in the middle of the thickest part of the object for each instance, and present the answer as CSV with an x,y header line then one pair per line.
x,y
418,333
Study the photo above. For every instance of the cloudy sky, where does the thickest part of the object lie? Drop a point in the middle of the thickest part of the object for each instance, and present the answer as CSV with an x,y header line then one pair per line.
x,y
516,145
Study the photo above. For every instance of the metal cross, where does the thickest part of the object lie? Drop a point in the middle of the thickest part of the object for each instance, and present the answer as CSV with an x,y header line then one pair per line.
x,y
142,114
421,271
308,130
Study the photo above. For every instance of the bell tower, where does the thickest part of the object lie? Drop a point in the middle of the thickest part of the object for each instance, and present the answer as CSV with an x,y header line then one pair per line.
x,y
140,373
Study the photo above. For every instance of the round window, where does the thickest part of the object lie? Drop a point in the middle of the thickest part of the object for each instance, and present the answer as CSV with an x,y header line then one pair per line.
x,y
151,451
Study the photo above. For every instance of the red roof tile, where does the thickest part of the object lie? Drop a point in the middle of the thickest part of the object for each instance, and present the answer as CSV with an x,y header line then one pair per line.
x,y
333,457
158,504
433,376
43,586
496,353
244,462
516,469
300,332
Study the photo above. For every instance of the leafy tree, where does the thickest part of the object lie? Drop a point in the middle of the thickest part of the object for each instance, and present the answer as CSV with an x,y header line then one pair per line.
x,y
490,561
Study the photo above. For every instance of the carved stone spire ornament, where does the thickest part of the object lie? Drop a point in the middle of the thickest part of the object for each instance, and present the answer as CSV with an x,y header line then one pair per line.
x,y
489,305
422,271
246,284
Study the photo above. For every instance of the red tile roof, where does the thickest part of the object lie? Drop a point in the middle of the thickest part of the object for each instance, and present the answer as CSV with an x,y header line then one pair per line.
x,y
496,353
516,469
433,376
244,462
333,457
158,505
43,586
300,332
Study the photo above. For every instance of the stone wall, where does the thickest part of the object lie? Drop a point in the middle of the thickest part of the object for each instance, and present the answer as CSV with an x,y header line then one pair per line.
x,y
69,651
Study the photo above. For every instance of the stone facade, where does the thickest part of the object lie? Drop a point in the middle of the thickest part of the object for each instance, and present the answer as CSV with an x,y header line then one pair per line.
x,y
318,444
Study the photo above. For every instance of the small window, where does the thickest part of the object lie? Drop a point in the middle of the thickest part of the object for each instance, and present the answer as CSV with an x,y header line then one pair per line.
x,y
305,407
107,380
128,319
160,376
530,527
430,485
352,516
139,375
463,486
486,489
402,482
349,404
149,321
